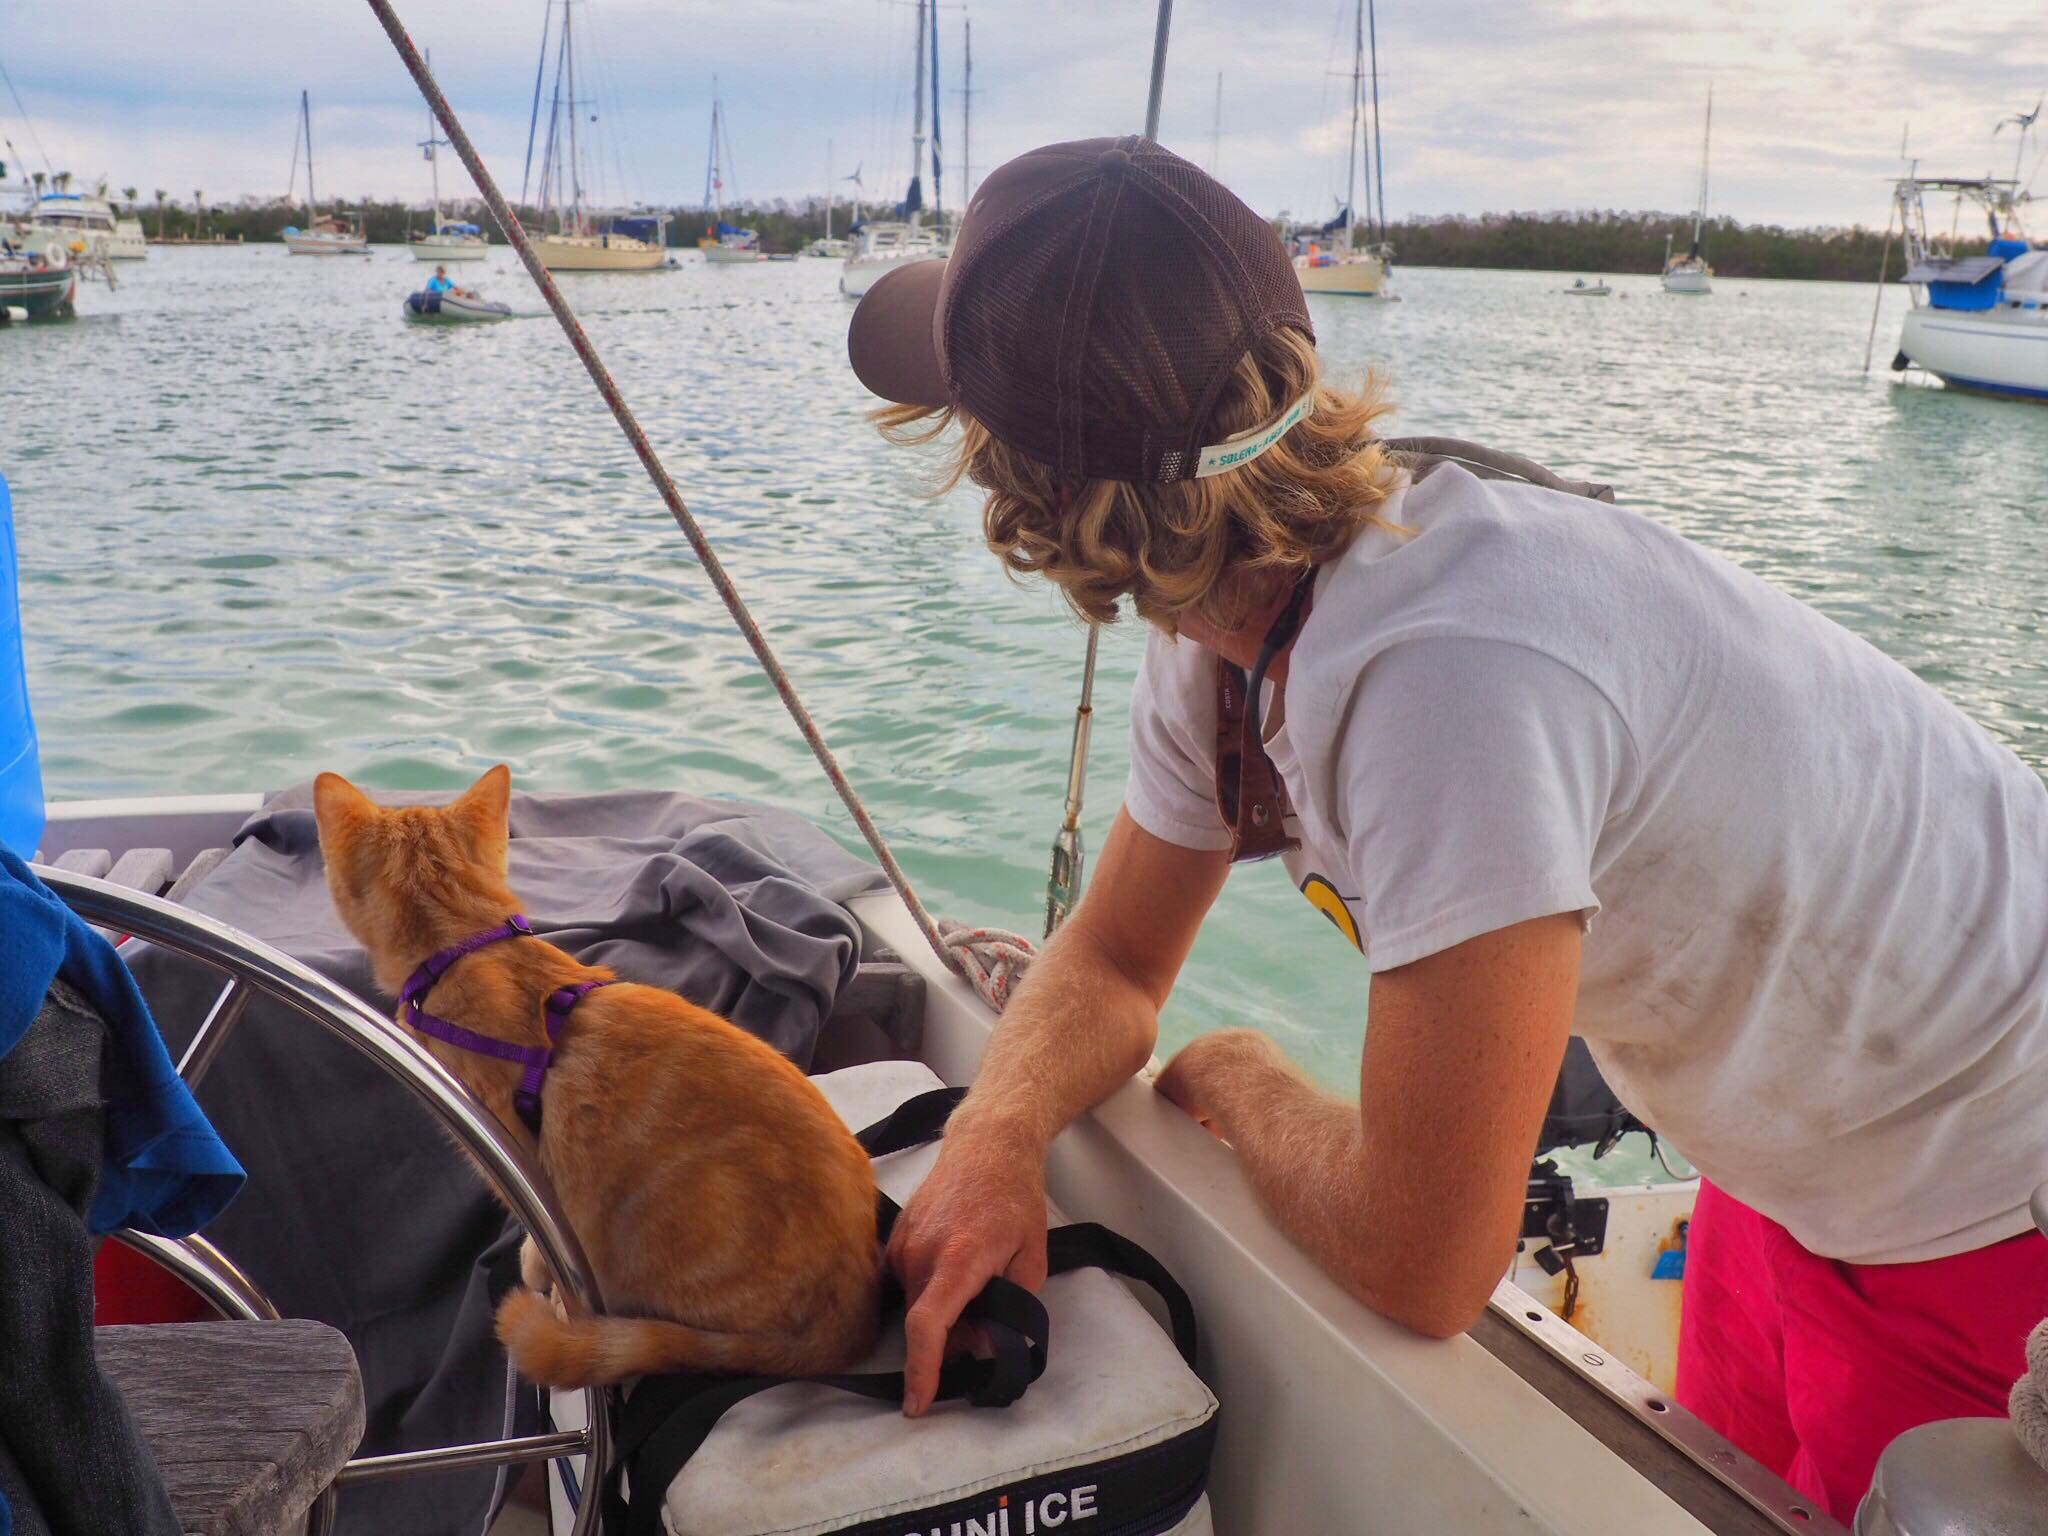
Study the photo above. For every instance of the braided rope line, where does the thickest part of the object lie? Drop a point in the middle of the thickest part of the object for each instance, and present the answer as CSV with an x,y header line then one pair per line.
x,y
993,959
960,958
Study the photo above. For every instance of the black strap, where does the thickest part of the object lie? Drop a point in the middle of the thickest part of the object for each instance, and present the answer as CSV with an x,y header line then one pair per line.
x,y
912,1123
668,1418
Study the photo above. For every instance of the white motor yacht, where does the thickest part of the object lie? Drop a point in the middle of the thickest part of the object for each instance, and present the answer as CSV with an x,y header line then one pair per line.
x,y
81,223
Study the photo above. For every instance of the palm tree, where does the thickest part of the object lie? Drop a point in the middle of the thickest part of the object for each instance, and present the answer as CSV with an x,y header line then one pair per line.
x,y
198,214
161,194
39,178
128,196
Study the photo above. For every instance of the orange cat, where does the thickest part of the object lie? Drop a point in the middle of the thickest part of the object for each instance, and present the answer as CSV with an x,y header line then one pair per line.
x,y
728,1214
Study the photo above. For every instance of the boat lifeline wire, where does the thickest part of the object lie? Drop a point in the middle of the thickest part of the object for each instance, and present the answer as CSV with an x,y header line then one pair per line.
x,y
953,948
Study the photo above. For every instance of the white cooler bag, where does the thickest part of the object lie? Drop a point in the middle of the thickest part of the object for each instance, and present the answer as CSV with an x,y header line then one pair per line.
x,y
1112,1438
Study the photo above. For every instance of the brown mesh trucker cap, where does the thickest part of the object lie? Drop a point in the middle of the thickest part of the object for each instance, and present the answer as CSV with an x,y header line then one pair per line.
x,y
1099,296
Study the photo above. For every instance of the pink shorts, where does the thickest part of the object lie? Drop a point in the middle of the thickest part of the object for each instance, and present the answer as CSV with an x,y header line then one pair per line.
x,y
1812,1366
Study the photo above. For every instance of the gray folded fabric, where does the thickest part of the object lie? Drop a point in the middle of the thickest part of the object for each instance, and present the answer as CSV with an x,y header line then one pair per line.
x,y
358,1212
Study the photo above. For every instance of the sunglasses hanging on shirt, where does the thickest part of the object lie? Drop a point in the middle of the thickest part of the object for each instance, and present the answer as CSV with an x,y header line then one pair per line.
x,y
1249,795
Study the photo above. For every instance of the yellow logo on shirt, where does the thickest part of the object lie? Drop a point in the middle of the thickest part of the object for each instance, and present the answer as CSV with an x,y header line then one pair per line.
x,y
1324,898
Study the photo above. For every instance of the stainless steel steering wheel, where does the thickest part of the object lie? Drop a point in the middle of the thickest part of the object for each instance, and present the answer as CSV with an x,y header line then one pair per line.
x,y
253,967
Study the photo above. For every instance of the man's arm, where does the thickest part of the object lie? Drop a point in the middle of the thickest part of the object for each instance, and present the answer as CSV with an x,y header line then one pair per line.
x,y
1412,1198
1082,1024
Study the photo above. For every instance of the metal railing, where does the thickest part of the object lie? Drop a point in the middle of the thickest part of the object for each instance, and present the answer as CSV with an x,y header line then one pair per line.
x,y
254,968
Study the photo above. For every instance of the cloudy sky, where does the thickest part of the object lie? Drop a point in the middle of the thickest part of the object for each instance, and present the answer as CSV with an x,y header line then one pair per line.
x,y
1487,104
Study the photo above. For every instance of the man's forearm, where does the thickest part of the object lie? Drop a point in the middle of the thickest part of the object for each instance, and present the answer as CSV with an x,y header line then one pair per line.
x,y
1076,1031
1302,1150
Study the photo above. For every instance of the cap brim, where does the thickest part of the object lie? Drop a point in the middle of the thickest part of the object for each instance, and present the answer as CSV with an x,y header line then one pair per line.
x,y
892,342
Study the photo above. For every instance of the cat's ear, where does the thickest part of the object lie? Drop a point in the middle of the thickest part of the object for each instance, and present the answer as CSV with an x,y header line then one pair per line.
x,y
484,813
339,807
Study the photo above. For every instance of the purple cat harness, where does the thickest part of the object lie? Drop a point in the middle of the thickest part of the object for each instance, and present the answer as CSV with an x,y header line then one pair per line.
x,y
535,1058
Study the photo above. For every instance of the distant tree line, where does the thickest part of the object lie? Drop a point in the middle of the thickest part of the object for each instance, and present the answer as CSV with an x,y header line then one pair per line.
x,y
1610,241
1591,241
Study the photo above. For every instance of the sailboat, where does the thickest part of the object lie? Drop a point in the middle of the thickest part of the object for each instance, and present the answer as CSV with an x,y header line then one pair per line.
x,y
1360,271
1690,273
329,234
583,239
723,244
445,240
825,244
884,245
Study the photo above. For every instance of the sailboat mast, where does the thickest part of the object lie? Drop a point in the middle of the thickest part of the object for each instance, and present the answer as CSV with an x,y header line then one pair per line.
x,y
312,199
938,153
1216,126
1699,213
713,182
967,113
917,110
828,189
575,155
433,160
1379,165
1357,106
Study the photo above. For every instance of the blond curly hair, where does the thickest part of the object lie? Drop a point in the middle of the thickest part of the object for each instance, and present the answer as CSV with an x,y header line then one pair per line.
x,y
1190,545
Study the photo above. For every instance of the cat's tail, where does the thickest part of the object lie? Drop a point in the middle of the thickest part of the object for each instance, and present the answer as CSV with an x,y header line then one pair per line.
x,y
597,1351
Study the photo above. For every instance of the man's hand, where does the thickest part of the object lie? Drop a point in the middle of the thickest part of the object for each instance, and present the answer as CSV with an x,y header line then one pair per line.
x,y
980,1213
1083,1023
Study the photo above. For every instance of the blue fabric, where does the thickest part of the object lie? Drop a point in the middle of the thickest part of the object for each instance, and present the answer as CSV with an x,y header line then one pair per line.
x,y
21,776
438,284
166,1171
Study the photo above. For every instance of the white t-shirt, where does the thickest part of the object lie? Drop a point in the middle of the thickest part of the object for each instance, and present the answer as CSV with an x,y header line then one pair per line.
x,y
1820,959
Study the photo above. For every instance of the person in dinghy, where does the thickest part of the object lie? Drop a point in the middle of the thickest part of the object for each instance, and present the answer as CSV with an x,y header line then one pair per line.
x,y
1549,769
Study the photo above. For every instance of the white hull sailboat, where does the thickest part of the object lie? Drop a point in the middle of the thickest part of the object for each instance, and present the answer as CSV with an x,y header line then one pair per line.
x,y
446,239
1690,273
1359,271
881,247
723,244
574,236
1977,322
325,234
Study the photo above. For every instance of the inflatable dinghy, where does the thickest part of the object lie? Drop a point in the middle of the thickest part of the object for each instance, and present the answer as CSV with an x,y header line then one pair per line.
x,y
425,308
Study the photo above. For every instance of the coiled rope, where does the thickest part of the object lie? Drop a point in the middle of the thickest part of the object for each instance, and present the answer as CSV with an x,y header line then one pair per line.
x,y
991,972
2028,1404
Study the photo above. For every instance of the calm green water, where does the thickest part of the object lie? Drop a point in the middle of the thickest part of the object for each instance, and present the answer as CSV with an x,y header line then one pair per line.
x,y
268,529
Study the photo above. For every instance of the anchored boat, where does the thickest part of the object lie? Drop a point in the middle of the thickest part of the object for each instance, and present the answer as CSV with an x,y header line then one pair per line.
x,y
330,234
1360,271
723,244
1690,273
584,238
36,288
882,246
446,239
1980,321
82,223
